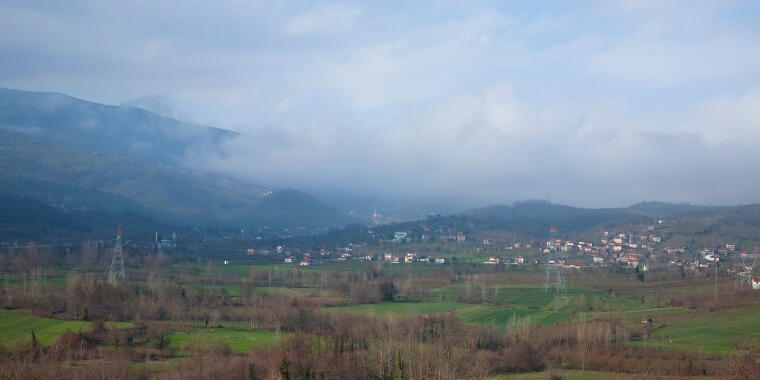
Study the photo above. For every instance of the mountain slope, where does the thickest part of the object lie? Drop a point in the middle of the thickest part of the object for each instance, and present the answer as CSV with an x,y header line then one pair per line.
x,y
533,218
78,179
82,157
125,131
289,207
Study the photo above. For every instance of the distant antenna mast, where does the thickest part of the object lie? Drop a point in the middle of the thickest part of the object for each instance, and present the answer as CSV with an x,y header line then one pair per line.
x,y
554,276
116,273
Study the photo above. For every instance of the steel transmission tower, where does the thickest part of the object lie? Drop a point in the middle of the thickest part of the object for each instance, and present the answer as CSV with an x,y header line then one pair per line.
x,y
554,277
116,273
745,269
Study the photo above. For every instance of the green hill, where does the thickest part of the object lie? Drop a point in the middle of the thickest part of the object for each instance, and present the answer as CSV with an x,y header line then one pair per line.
x,y
125,131
75,162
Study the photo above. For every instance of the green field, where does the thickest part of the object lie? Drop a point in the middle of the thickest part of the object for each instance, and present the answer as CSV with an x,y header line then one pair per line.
x,y
719,332
506,302
576,374
501,315
519,296
636,313
566,375
402,308
51,277
240,340
16,327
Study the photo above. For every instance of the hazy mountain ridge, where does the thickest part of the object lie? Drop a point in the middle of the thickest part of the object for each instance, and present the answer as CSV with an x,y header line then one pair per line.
x,y
127,131
677,224
48,154
533,217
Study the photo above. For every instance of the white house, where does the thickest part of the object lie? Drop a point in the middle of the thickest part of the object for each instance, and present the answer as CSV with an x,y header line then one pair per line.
x,y
492,260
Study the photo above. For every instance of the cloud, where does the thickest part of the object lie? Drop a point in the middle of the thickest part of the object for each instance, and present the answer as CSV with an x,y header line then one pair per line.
x,y
322,18
598,104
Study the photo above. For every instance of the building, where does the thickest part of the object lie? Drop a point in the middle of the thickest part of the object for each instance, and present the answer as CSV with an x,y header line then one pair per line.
x,y
756,282
440,260
400,236
306,261
289,260
492,260
628,261
520,260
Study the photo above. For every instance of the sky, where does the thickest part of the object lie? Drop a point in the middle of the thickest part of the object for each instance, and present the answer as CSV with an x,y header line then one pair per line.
x,y
591,103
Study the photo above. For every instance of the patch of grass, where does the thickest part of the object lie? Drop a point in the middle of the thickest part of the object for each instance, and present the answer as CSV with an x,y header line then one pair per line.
x,y
51,277
500,316
720,332
635,314
515,296
283,291
16,327
402,308
230,290
240,340
566,374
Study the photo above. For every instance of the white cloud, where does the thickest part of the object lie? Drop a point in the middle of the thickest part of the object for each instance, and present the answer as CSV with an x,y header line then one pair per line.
x,y
322,18
654,100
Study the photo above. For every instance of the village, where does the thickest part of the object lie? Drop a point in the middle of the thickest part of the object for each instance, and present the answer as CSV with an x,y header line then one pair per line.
x,y
616,250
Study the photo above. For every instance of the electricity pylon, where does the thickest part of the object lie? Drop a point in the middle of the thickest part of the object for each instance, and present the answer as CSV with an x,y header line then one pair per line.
x,y
745,269
554,276
116,273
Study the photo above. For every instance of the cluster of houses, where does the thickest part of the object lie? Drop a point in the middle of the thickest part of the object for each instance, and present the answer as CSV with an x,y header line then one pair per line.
x,y
636,251
405,236
520,260
408,258
411,257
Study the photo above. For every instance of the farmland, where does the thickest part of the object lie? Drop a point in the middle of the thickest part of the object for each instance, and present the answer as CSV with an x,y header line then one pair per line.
x,y
16,327
183,316
404,308
239,340
724,332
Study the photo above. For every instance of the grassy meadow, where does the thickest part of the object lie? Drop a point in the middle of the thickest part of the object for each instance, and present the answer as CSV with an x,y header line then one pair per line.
x,y
16,327
239,340
721,332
